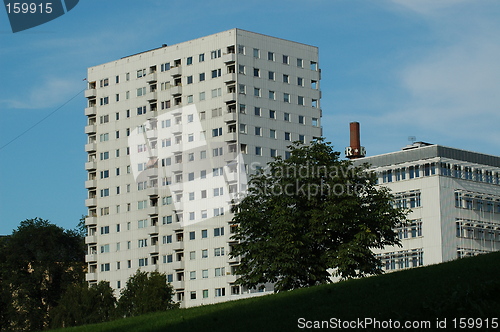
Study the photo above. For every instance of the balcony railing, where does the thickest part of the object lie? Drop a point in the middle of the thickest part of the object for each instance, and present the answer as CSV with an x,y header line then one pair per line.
x,y
90,93
90,111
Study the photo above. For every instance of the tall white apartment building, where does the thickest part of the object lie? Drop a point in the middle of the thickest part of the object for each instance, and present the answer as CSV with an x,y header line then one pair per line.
x,y
455,200
172,135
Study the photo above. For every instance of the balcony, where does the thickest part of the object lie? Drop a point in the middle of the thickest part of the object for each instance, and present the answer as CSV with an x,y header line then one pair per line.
x,y
176,71
91,202
231,279
228,58
91,239
176,168
177,284
152,210
90,111
230,98
151,96
230,78
176,90
152,134
91,147
231,176
152,191
179,265
90,165
176,129
90,93
179,245
154,249
231,137
154,230
90,221
151,77
230,117
89,184
91,277
92,258
90,129
230,156
151,172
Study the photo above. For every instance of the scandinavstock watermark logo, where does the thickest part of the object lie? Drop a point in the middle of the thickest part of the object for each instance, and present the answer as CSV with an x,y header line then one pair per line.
x,y
26,15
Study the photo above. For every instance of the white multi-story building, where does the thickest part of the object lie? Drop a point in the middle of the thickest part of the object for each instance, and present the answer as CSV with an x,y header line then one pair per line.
x,y
172,135
455,200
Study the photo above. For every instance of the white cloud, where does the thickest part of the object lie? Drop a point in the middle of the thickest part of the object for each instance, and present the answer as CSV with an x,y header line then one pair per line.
x,y
51,92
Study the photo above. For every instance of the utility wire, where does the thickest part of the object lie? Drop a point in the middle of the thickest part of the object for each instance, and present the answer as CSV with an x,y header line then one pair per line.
x,y
43,119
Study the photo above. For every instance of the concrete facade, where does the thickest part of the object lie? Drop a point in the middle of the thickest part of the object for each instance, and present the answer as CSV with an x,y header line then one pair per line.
x,y
173,134
455,200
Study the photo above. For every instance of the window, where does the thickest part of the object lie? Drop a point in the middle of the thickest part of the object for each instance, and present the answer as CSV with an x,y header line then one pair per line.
x,y
287,136
302,139
300,63
218,191
202,77
189,60
286,117
272,95
271,75
241,69
286,78
285,59
256,92
192,276
286,97
220,292
241,49
258,131
205,293
270,56
189,79
216,73
192,235
243,128
258,151
272,114
314,122
301,119
201,57
204,233
204,254
242,89
256,53
215,54
216,132
167,219
105,267
273,153
300,81
204,274
219,271
256,72
272,133
105,248
300,100
314,65
219,231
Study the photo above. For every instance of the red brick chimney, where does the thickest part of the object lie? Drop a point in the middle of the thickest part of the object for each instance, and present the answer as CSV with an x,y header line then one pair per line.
x,y
355,150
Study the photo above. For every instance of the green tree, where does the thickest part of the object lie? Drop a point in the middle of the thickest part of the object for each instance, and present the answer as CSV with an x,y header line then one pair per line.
x,y
40,260
309,214
146,293
82,304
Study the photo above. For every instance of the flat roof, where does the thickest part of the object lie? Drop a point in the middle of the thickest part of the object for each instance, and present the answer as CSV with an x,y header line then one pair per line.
x,y
428,152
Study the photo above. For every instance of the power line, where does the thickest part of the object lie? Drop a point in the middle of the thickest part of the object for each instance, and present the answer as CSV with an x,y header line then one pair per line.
x,y
43,119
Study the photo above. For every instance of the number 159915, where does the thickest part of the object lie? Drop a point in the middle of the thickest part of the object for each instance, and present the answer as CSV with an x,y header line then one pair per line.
x,y
29,8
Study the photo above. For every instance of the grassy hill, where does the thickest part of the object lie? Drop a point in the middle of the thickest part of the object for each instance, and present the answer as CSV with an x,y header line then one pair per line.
x,y
467,287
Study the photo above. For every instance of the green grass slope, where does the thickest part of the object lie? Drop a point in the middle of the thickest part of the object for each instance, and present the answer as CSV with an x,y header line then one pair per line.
x,y
468,287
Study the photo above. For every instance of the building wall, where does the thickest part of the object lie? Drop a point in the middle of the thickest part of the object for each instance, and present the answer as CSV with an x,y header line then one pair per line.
x,y
147,111
460,202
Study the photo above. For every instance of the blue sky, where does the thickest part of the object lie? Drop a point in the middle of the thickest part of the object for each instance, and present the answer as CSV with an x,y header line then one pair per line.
x,y
422,68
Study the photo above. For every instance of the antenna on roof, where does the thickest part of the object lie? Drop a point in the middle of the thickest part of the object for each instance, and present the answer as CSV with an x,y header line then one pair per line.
x,y
412,139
